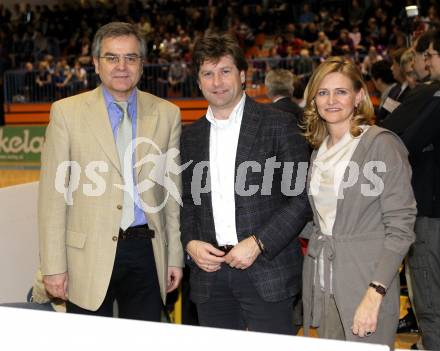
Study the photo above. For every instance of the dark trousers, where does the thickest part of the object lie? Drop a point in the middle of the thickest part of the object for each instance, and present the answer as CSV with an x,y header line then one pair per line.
x,y
134,284
424,262
235,304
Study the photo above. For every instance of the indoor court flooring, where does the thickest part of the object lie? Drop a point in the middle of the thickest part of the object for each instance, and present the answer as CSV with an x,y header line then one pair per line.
x,y
14,175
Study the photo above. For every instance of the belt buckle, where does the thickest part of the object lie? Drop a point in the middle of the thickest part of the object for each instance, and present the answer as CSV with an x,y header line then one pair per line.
x,y
226,248
122,234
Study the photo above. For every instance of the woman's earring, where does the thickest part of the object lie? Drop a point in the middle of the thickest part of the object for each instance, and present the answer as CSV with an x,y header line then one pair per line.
x,y
355,110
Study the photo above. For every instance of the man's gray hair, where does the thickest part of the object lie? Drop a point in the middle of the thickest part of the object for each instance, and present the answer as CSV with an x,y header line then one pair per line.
x,y
279,82
114,30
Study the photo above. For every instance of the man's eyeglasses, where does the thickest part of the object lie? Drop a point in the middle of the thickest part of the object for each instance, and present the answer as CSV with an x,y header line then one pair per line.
x,y
115,59
429,55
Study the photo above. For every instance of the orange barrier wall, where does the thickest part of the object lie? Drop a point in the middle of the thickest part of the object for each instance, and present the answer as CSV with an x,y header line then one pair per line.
x,y
39,113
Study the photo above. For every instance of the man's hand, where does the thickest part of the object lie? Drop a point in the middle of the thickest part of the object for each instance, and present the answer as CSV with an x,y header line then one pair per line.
x,y
56,285
244,254
365,317
175,275
206,256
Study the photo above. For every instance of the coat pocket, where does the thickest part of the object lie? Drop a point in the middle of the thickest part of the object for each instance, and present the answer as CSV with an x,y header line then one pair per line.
x,y
75,239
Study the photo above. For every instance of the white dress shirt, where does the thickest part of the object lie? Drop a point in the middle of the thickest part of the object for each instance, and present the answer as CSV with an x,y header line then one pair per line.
x,y
223,144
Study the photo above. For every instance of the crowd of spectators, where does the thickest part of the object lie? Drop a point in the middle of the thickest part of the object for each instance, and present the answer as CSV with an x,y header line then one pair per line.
x,y
54,42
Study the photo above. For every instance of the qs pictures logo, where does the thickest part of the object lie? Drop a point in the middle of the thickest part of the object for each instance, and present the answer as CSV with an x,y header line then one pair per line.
x,y
162,169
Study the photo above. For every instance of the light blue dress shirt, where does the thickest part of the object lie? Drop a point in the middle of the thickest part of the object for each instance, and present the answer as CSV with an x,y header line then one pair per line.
x,y
115,115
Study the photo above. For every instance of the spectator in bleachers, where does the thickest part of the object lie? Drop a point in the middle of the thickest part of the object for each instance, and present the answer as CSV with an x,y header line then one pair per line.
x,y
177,75
372,28
383,80
72,48
433,18
291,39
85,57
144,27
338,18
310,33
356,13
275,58
398,92
27,47
407,66
395,64
299,84
323,46
324,18
279,85
79,77
344,45
16,16
304,64
356,36
369,60
397,39
420,69
383,38
61,78
183,41
29,82
43,80
16,50
41,44
307,15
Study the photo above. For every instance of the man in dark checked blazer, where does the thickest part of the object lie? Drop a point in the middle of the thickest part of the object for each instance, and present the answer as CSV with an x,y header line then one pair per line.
x,y
241,215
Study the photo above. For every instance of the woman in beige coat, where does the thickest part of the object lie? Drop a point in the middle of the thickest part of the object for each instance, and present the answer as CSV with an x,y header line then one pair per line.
x,y
364,211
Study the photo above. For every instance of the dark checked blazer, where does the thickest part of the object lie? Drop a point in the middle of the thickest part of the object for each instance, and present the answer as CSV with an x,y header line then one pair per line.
x,y
276,219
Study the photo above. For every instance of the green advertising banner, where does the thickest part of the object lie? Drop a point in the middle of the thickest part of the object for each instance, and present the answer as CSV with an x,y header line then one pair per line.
x,y
21,143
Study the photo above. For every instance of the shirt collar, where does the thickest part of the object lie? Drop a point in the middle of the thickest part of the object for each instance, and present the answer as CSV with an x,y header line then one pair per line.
x,y
235,116
279,98
386,92
403,86
109,99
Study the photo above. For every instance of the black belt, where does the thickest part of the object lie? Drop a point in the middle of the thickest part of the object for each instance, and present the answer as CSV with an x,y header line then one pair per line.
x,y
139,231
225,248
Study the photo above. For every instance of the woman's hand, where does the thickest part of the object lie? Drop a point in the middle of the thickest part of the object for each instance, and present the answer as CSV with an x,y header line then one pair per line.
x,y
365,317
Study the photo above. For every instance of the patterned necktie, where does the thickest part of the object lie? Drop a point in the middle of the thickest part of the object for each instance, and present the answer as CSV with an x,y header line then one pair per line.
x,y
123,143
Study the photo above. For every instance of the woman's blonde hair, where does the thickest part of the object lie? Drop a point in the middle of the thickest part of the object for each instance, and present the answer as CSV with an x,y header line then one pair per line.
x,y
407,61
313,125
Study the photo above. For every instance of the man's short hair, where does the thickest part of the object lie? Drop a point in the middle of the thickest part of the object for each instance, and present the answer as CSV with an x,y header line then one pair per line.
x,y
114,30
279,82
382,70
213,47
434,38
423,42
